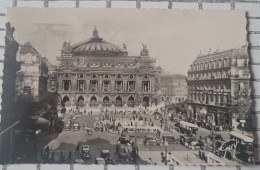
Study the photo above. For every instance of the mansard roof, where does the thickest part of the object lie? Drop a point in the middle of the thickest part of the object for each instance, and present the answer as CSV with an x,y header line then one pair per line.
x,y
96,46
235,52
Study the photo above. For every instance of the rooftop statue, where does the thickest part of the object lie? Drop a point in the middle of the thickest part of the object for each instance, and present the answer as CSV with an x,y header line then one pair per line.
x,y
144,51
66,48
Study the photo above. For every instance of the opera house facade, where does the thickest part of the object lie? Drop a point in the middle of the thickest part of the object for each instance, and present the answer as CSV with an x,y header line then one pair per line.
x,y
97,73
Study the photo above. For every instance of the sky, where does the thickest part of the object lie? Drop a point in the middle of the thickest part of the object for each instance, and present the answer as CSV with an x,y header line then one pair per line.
x,y
174,37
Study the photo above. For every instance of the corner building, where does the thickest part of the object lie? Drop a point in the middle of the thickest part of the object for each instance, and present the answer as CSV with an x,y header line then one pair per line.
x,y
215,82
174,88
97,73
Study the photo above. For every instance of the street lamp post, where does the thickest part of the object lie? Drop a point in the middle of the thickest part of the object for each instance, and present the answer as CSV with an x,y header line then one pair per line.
x,y
166,150
213,134
136,123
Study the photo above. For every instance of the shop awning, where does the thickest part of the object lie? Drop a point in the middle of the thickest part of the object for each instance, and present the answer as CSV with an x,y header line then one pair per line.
x,y
241,136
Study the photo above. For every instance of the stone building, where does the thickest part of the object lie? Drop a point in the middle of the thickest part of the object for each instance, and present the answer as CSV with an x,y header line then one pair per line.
x,y
9,115
218,83
173,88
96,73
32,76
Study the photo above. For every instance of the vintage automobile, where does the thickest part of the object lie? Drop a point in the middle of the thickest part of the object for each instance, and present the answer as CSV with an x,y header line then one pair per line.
x,y
151,141
185,140
100,161
110,161
67,127
195,144
124,140
76,127
170,139
105,154
85,151
218,137
156,117
162,120
88,130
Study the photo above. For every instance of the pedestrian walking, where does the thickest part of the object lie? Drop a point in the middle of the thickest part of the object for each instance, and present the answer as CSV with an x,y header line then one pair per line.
x,y
77,149
52,157
61,157
69,157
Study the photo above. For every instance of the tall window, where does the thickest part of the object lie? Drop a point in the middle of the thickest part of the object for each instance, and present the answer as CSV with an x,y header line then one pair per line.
x,y
93,85
66,85
146,86
80,85
119,85
130,86
106,85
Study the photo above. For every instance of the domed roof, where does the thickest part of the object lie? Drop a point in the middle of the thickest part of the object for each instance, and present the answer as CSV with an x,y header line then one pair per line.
x,y
96,46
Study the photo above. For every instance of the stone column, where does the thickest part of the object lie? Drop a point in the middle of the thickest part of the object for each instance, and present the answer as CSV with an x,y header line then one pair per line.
x,y
124,85
60,83
112,84
152,84
100,84
87,83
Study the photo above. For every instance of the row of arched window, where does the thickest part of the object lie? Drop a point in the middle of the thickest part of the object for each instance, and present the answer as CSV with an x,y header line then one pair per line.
x,y
222,63
94,76
209,75
223,86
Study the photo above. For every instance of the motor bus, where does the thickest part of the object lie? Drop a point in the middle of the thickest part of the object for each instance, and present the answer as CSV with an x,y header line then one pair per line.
x,y
187,128
142,131
244,146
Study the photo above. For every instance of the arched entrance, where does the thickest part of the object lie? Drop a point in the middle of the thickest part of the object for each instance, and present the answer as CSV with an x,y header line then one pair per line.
x,y
106,102
119,102
66,101
145,101
93,101
81,101
131,102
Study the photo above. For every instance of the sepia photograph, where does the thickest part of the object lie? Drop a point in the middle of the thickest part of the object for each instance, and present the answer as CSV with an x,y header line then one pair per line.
x,y
126,86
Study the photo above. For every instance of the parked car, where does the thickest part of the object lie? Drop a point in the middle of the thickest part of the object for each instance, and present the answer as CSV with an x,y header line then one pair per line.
x,y
162,120
76,127
74,118
151,141
195,144
85,151
185,140
67,127
105,154
110,161
124,140
100,161
156,117
89,131
217,137
170,139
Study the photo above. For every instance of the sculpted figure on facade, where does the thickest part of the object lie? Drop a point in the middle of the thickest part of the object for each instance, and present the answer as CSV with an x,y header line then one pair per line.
x,y
144,51
66,48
